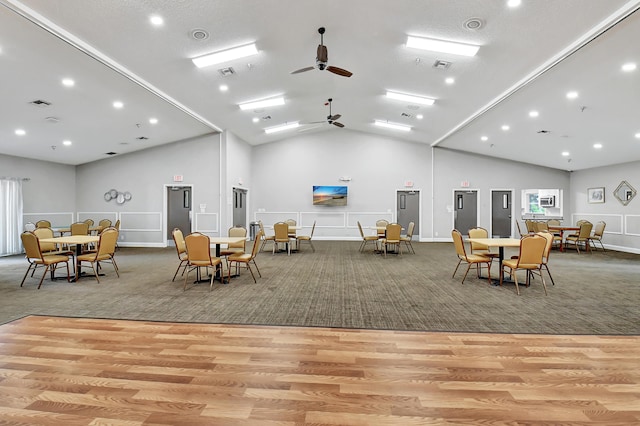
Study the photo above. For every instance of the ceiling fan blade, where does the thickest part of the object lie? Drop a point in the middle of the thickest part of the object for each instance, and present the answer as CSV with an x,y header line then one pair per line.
x,y
339,71
335,123
302,70
335,117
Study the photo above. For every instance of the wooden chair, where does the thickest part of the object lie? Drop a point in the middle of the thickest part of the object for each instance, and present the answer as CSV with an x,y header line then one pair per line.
x,y
367,238
281,236
381,223
392,238
43,224
307,238
532,248
469,259
246,258
199,256
35,258
104,253
104,223
406,239
181,248
480,249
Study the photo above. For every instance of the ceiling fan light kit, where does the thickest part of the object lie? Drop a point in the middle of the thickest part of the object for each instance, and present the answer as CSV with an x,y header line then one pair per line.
x,y
322,57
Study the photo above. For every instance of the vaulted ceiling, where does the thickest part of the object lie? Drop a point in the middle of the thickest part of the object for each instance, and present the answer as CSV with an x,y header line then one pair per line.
x,y
530,57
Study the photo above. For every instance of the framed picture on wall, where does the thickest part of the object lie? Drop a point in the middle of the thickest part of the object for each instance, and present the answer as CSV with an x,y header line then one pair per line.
x,y
595,195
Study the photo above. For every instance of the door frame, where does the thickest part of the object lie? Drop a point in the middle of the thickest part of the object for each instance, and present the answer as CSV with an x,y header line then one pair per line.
x,y
512,191
453,205
165,206
419,191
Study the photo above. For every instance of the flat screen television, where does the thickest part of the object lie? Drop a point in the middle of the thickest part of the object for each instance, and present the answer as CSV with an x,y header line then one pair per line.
x,y
324,195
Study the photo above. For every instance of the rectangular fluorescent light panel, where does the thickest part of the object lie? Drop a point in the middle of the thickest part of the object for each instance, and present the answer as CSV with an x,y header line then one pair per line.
x,y
421,100
442,46
262,104
393,126
282,127
225,55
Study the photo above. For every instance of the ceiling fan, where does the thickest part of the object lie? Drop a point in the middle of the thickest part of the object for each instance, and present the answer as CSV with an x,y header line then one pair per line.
x,y
321,60
331,119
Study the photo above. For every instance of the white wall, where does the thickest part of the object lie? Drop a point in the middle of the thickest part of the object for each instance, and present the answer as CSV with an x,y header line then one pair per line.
x,y
623,222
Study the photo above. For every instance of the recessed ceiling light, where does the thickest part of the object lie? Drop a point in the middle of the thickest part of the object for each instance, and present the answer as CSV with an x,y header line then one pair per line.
x,y
225,55
505,127
282,127
419,116
382,123
442,46
262,104
20,132
629,67
255,119
410,98
572,95
153,120
514,3
156,20
565,153
223,87
118,104
533,114
484,138
68,82
66,143
637,135
597,145
449,80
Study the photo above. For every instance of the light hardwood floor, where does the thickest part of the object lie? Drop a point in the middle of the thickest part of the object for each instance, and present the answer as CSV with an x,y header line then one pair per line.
x,y
63,371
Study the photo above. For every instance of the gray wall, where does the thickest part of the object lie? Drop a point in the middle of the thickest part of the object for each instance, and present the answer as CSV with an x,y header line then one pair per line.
x,y
49,193
279,177
146,174
623,222
485,174
284,173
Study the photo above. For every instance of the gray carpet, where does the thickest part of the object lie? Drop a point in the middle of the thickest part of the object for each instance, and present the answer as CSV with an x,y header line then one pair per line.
x,y
337,286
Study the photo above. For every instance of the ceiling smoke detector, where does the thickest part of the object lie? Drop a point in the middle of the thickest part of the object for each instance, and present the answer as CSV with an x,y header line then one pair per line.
x,y
199,34
473,24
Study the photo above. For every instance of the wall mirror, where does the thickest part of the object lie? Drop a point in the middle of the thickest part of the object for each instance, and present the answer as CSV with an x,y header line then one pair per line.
x,y
624,192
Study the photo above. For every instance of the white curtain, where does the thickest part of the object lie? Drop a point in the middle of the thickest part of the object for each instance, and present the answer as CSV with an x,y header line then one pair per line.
x,y
10,216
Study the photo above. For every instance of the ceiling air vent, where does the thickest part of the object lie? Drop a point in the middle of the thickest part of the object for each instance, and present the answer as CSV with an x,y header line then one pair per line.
x,y
226,71
40,103
142,138
404,114
544,131
442,65
111,153
52,120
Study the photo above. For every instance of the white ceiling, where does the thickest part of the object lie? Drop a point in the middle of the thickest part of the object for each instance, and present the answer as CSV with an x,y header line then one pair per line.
x,y
530,57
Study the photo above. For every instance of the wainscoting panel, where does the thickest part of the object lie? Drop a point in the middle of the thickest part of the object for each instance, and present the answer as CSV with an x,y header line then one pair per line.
x,y
614,221
632,225
207,223
58,220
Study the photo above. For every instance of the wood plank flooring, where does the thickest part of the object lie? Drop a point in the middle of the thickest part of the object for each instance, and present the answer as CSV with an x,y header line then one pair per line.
x,y
64,371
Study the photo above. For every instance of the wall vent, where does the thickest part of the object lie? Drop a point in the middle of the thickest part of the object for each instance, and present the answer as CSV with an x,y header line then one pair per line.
x,y
226,71
40,103
441,65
